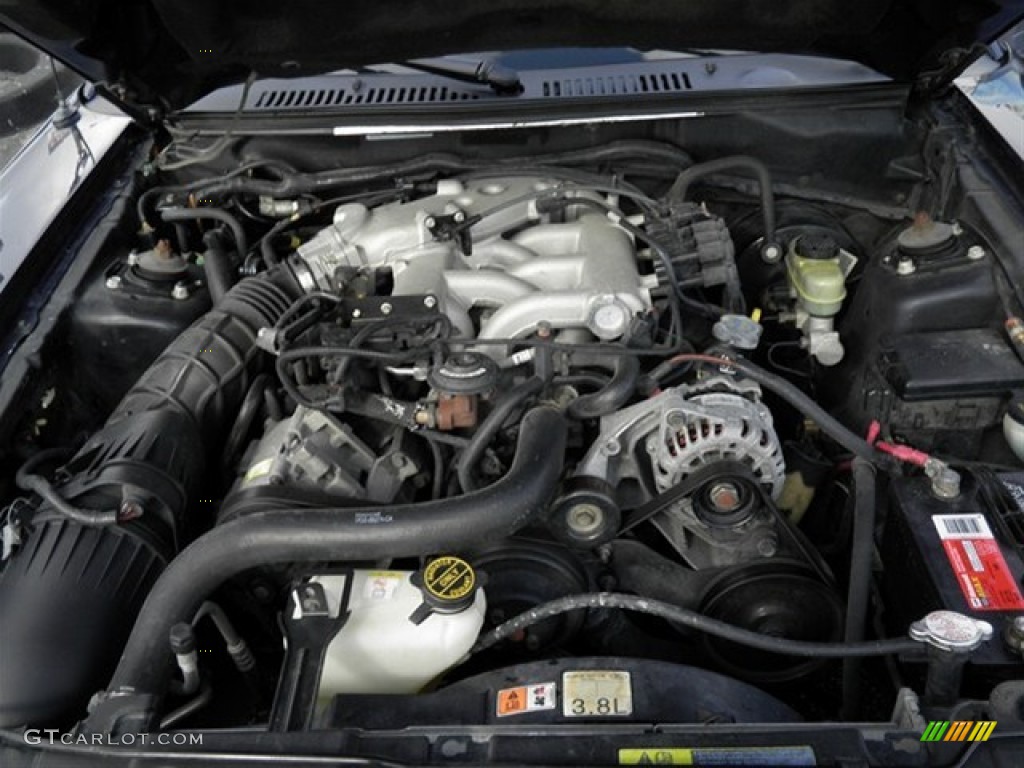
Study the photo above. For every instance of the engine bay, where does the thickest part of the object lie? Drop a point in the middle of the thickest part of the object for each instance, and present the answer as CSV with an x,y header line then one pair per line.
x,y
645,431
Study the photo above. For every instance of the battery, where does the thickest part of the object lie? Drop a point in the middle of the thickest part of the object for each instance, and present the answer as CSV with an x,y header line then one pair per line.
x,y
963,555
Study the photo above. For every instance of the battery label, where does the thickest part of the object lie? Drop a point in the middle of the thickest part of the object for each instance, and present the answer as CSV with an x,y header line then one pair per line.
x,y
979,565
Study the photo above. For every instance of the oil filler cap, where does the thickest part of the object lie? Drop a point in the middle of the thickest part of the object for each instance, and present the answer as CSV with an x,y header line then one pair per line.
x,y
448,584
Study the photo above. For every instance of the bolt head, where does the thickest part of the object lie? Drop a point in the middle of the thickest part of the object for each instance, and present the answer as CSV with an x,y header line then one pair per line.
x,y
905,267
976,252
180,291
611,448
357,312
725,496
430,222
945,480
113,282
767,546
771,253
458,217
429,302
585,518
386,308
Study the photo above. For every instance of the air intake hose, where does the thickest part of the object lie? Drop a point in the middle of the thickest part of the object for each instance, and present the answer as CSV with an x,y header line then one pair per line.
x,y
317,535
69,595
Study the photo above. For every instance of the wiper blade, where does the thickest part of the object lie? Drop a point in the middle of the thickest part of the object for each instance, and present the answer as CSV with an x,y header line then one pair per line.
x,y
501,79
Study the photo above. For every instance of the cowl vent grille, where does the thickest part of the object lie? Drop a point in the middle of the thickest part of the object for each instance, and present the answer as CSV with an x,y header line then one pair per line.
x,y
386,89
617,85
285,98
667,80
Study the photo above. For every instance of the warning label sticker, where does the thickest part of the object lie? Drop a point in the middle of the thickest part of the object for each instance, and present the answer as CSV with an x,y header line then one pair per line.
x,y
382,585
734,756
526,698
979,565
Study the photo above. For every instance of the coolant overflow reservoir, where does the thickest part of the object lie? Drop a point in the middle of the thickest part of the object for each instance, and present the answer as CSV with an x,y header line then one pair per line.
x,y
404,628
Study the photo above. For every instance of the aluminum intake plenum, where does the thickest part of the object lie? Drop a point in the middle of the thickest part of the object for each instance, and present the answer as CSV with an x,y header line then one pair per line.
x,y
521,270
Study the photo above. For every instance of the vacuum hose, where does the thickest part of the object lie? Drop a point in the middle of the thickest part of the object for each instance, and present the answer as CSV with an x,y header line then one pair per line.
x,y
317,535
613,395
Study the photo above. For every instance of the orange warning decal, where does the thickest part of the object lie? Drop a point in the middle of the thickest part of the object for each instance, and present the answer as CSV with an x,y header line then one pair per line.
x,y
527,698
511,701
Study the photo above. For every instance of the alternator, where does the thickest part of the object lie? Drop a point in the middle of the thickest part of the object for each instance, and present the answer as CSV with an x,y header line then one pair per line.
x,y
686,428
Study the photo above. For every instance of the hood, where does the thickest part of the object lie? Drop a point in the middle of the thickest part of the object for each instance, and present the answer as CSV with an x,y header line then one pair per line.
x,y
168,53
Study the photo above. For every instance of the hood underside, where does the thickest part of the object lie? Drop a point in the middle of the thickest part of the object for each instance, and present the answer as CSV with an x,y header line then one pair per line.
x,y
171,52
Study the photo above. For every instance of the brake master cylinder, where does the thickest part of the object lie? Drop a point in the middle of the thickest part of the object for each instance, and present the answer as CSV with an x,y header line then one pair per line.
x,y
817,268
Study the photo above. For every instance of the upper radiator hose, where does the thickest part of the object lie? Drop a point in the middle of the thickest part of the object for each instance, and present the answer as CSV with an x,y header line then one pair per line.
x,y
132,700
69,595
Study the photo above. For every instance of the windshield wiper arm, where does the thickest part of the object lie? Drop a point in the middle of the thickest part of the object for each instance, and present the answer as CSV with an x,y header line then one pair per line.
x,y
499,78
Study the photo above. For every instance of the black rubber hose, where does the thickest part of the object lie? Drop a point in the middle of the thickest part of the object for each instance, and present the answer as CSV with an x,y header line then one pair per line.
x,y
147,197
488,428
859,591
254,400
613,395
581,379
681,186
217,268
641,570
300,536
171,215
793,395
697,622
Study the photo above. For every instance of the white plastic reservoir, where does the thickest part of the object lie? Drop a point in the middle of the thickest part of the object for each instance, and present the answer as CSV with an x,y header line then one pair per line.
x,y
381,648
